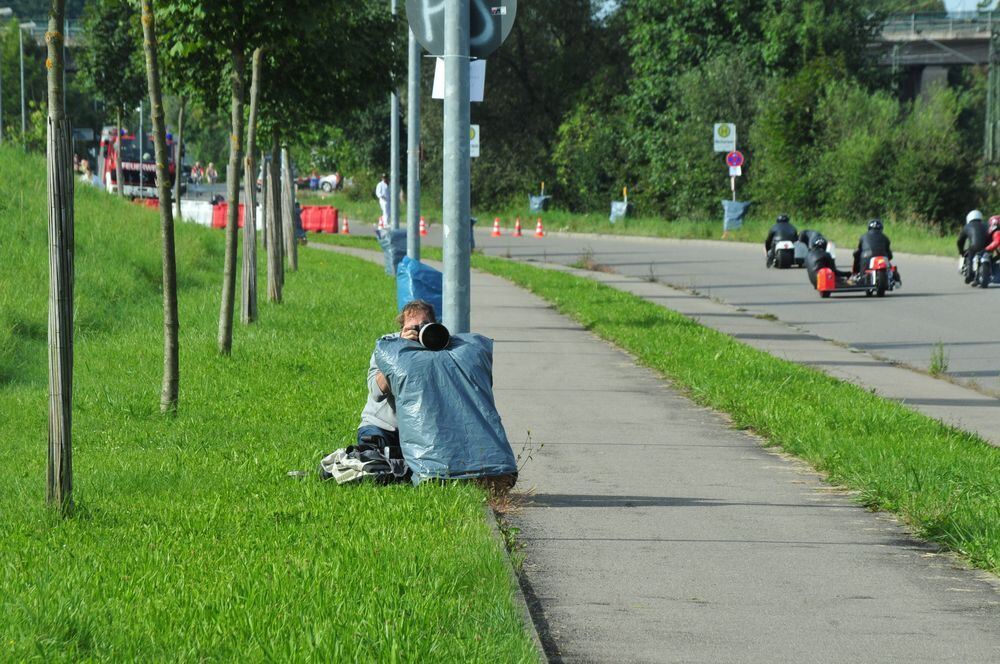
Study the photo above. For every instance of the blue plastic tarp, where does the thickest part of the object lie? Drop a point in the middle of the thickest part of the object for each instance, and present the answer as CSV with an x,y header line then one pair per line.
x,y
735,213
416,281
393,245
449,427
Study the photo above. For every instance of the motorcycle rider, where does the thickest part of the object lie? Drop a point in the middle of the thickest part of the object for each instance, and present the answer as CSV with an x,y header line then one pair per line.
x,y
782,231
807,237
873,243
819,258
993,235
974,233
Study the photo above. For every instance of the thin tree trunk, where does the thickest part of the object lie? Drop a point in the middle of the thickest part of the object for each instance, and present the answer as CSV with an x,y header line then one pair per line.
x,y
264,177
273,245
179,162
119,169
276,212
171,368
233,196
248,292
59,480
288,210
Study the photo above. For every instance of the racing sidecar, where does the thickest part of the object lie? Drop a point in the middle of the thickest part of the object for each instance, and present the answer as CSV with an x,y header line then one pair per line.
x,y
878,279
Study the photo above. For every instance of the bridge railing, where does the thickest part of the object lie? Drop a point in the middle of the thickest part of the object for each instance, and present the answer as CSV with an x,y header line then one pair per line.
x,y
951,25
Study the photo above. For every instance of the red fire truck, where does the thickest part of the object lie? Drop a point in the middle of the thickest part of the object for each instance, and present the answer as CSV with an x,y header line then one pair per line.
x,y
138,167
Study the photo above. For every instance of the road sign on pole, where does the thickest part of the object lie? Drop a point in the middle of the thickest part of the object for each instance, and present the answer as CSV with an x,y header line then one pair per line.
x,y
734,159
490,21
474,140
724,137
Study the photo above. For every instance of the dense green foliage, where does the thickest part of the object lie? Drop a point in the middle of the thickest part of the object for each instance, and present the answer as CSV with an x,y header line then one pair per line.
x,y
190,542
111,63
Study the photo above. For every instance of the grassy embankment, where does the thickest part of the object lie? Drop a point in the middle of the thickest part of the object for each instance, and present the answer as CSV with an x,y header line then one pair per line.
x,y
945,483
906,237
190,541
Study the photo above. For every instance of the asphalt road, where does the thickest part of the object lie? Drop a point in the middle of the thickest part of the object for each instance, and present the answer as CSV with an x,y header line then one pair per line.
x,y
934,306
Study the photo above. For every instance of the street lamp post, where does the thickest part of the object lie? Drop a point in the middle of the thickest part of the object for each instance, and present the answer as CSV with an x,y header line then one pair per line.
x,y
30,25
4,11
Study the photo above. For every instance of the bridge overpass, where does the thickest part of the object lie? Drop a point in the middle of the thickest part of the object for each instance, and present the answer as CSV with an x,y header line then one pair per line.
x,y
937,40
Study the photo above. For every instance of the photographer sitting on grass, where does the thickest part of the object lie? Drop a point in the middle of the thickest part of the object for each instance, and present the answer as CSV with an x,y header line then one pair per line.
x,y
430,413
379,415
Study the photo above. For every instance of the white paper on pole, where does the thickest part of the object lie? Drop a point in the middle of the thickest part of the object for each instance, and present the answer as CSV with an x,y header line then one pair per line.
x,y
474,140
477,80
735,171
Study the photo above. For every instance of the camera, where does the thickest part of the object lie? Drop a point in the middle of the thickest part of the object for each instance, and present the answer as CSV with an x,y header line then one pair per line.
x,y
434,336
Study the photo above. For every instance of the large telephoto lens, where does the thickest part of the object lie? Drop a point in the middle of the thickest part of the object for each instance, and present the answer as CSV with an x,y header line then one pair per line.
x,y
434,336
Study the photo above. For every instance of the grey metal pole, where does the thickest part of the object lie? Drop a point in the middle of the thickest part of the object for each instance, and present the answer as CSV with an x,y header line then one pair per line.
x,y
393,219
413,152
456,187
65,60
24,114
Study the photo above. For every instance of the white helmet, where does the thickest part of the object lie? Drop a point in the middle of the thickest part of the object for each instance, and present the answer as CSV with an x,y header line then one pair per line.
x,y
975,215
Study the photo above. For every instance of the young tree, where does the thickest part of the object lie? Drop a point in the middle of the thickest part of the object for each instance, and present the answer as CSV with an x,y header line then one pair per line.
x,y
179,159
221,35
59,486
248,292
110,62
171,368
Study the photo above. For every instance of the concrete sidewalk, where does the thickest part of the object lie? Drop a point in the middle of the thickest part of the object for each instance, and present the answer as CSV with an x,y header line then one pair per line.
x,y
656,533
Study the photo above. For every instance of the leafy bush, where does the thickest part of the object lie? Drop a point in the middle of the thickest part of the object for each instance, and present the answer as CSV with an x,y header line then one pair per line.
x,y
856,144
933,175
589,158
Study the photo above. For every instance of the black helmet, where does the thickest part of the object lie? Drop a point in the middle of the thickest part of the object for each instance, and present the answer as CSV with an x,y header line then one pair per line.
x,y
783,219
819,243
875,225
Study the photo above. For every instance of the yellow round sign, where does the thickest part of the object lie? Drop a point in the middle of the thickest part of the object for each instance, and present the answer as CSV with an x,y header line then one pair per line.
x,y
724,131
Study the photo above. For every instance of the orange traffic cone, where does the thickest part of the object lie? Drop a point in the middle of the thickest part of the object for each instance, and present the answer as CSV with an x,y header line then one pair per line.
x,y
539,231
423,226
517,227
496,227
347,226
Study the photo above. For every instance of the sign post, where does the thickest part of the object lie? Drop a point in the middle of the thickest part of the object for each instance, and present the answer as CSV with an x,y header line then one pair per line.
x,y
457,31
724,137
474,141
735,161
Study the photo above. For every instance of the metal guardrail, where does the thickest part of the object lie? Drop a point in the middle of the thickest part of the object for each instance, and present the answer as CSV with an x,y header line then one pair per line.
x,y
955,25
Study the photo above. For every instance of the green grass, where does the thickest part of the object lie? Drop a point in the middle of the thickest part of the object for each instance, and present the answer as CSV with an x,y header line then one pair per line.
x,y
906,237
190,542
944,482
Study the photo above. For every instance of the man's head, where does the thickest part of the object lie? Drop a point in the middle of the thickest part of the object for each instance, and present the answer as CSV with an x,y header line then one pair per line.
x,y
415,315
385,178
